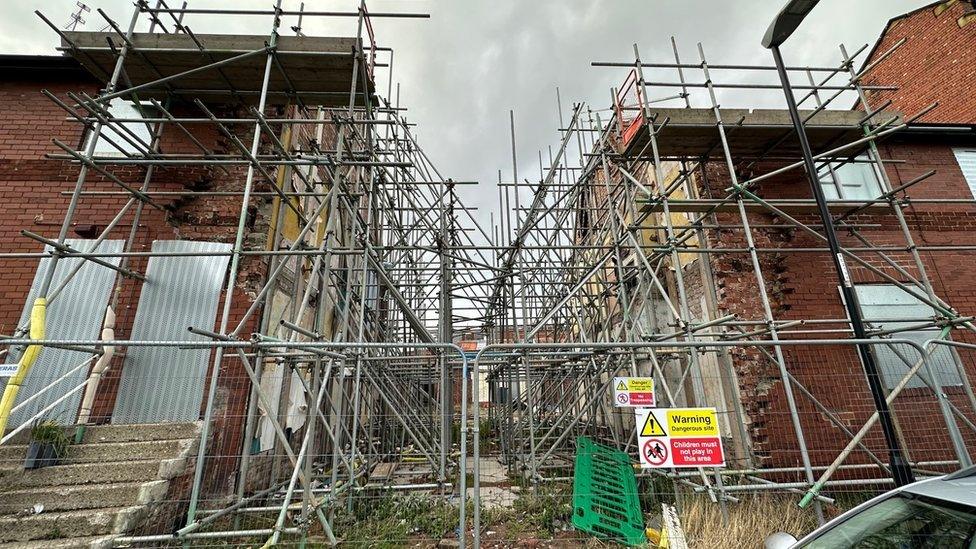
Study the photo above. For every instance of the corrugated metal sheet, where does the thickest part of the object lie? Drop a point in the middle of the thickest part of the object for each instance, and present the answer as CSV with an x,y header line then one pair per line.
x,y
967,161
166,383
76,314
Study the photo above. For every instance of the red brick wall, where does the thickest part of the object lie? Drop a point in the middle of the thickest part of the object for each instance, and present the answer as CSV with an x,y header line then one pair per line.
x,y
32,191
802,285
934,64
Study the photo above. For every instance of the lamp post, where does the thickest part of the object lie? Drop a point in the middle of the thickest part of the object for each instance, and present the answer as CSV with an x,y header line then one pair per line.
x,y
781,28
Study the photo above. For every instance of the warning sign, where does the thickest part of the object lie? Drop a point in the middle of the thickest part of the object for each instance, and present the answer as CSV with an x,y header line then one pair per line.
x,y
652,428
692,422
632,392
679,437
655,451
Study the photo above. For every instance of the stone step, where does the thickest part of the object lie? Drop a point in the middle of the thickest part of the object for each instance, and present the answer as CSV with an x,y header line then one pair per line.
x,y
106,451
82,496
88,542
83,523
124,433
14,476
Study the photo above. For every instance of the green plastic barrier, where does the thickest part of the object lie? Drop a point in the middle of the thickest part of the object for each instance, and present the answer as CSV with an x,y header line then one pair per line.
x,y
605,502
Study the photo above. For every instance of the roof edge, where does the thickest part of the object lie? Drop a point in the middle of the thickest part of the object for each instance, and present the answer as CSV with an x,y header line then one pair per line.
x,y
42,65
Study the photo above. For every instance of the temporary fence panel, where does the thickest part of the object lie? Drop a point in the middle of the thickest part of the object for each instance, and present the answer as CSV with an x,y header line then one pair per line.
x,y
605,499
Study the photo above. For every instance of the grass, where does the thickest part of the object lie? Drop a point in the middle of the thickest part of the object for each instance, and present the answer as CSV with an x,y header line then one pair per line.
x,y
389,520
545,513
749,523
541,516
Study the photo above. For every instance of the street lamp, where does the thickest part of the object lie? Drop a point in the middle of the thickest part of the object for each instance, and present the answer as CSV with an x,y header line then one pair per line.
x,y
782,27
787,21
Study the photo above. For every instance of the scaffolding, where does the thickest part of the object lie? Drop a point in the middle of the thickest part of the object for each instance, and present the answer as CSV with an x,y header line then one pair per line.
x,y
371,266
607,266
367,267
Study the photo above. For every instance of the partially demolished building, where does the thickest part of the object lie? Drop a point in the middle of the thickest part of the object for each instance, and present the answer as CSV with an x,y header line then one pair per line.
x,y
237,281
677,237
228,236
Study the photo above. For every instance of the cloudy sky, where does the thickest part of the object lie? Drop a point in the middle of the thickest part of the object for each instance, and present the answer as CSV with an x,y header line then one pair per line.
x,y
462,70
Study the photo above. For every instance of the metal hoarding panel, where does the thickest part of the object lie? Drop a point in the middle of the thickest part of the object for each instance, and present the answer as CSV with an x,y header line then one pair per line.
x,y
77,313
161,384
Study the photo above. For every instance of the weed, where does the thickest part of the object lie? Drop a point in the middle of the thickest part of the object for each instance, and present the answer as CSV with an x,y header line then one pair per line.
x,y
750,521
545,512
389,520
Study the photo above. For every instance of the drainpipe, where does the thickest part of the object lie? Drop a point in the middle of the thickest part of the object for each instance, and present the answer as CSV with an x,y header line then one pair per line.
x,y
108,334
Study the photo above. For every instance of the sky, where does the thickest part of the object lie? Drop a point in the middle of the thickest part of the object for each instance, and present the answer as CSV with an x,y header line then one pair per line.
x,y
462,70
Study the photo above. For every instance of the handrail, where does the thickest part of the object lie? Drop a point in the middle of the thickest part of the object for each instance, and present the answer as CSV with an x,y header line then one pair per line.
x,y
43,411
629,127
50,385
37,331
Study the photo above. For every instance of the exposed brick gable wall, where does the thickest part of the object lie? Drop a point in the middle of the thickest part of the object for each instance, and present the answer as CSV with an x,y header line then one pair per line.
x,y
802,285
934,64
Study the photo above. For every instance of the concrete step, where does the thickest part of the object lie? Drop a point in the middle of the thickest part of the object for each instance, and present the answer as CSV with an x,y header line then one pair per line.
x,y
106,451
83,496
124,433
14,476
83,523
89,542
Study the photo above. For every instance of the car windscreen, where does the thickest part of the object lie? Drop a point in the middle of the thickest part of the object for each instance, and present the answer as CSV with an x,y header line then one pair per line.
x,y
903,522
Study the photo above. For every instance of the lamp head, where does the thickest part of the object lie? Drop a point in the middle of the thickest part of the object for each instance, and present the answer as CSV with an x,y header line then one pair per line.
x,y
787,21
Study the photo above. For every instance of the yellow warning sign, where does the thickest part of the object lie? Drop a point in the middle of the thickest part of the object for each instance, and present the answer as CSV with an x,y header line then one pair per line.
x,y
641,384
621,386
652,427
691,422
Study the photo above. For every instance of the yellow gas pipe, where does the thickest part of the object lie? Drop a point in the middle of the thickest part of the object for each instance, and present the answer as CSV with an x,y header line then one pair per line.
x,y
37,320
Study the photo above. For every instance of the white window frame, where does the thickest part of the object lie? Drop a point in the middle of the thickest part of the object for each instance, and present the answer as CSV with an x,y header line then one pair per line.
x,y
966,158
904,310
857,180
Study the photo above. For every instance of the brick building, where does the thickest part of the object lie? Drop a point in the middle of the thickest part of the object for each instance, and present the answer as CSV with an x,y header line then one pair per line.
x,y
189,204
928,65
909,252
214,243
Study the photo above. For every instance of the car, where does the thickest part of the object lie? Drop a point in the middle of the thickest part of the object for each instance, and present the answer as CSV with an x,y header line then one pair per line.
x,y
935,513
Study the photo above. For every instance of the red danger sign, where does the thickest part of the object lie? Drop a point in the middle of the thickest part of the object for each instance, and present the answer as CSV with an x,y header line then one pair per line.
x,y
633,392
642,399
697,452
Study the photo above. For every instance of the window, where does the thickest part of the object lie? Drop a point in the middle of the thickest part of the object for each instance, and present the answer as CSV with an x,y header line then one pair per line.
x,y
855,181
967,162
904,521
888,307
119,108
